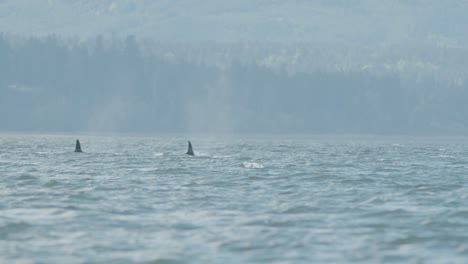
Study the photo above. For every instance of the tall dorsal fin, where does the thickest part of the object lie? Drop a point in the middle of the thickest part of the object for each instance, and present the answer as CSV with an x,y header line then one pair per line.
x,y
190,149
78,146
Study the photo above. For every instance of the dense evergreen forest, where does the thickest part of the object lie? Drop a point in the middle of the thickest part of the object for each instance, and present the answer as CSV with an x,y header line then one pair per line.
x,y
54,84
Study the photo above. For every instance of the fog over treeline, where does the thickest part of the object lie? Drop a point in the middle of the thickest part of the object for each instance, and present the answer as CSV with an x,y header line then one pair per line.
x,y
234,66
141,86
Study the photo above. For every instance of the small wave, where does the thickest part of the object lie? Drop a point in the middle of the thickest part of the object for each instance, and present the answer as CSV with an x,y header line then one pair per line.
x,y
201,155
427,221
148,169
410,239
462,248
158,154
184,226
166,261
374,200
460,213
397,212
302,209
252,165
221,156
72,208
51,183
443,156
117,154
9,228
26,177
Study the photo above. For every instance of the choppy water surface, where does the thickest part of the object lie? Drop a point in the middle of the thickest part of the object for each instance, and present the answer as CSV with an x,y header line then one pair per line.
x,y
274,200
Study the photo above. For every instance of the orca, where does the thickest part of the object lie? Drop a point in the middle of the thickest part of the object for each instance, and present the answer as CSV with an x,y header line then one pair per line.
x,y
78,146
190,149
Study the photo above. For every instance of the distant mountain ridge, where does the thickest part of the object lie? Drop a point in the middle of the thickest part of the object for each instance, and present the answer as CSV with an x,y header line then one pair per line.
x,y
356,22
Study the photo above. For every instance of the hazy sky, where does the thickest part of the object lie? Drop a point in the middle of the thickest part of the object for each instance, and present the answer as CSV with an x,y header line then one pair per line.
x,y
363,22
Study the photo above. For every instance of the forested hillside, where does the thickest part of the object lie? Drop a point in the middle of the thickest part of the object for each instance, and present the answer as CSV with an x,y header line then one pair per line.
x,y
132,85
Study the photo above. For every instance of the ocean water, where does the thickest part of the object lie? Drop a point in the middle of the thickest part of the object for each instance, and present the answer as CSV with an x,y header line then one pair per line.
x,y
285,199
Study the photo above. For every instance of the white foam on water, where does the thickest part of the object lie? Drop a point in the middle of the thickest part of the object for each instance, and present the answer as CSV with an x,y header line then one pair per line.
x,y
252,165
148,169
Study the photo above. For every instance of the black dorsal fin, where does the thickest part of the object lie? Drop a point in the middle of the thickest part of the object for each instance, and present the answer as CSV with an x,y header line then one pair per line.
x,y
78,146
190,149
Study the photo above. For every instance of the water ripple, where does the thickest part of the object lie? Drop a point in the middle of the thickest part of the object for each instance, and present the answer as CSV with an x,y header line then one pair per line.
x,y
296,200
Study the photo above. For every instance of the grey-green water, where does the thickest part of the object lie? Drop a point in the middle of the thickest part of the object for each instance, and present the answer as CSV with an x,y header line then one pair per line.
x,y
252,200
